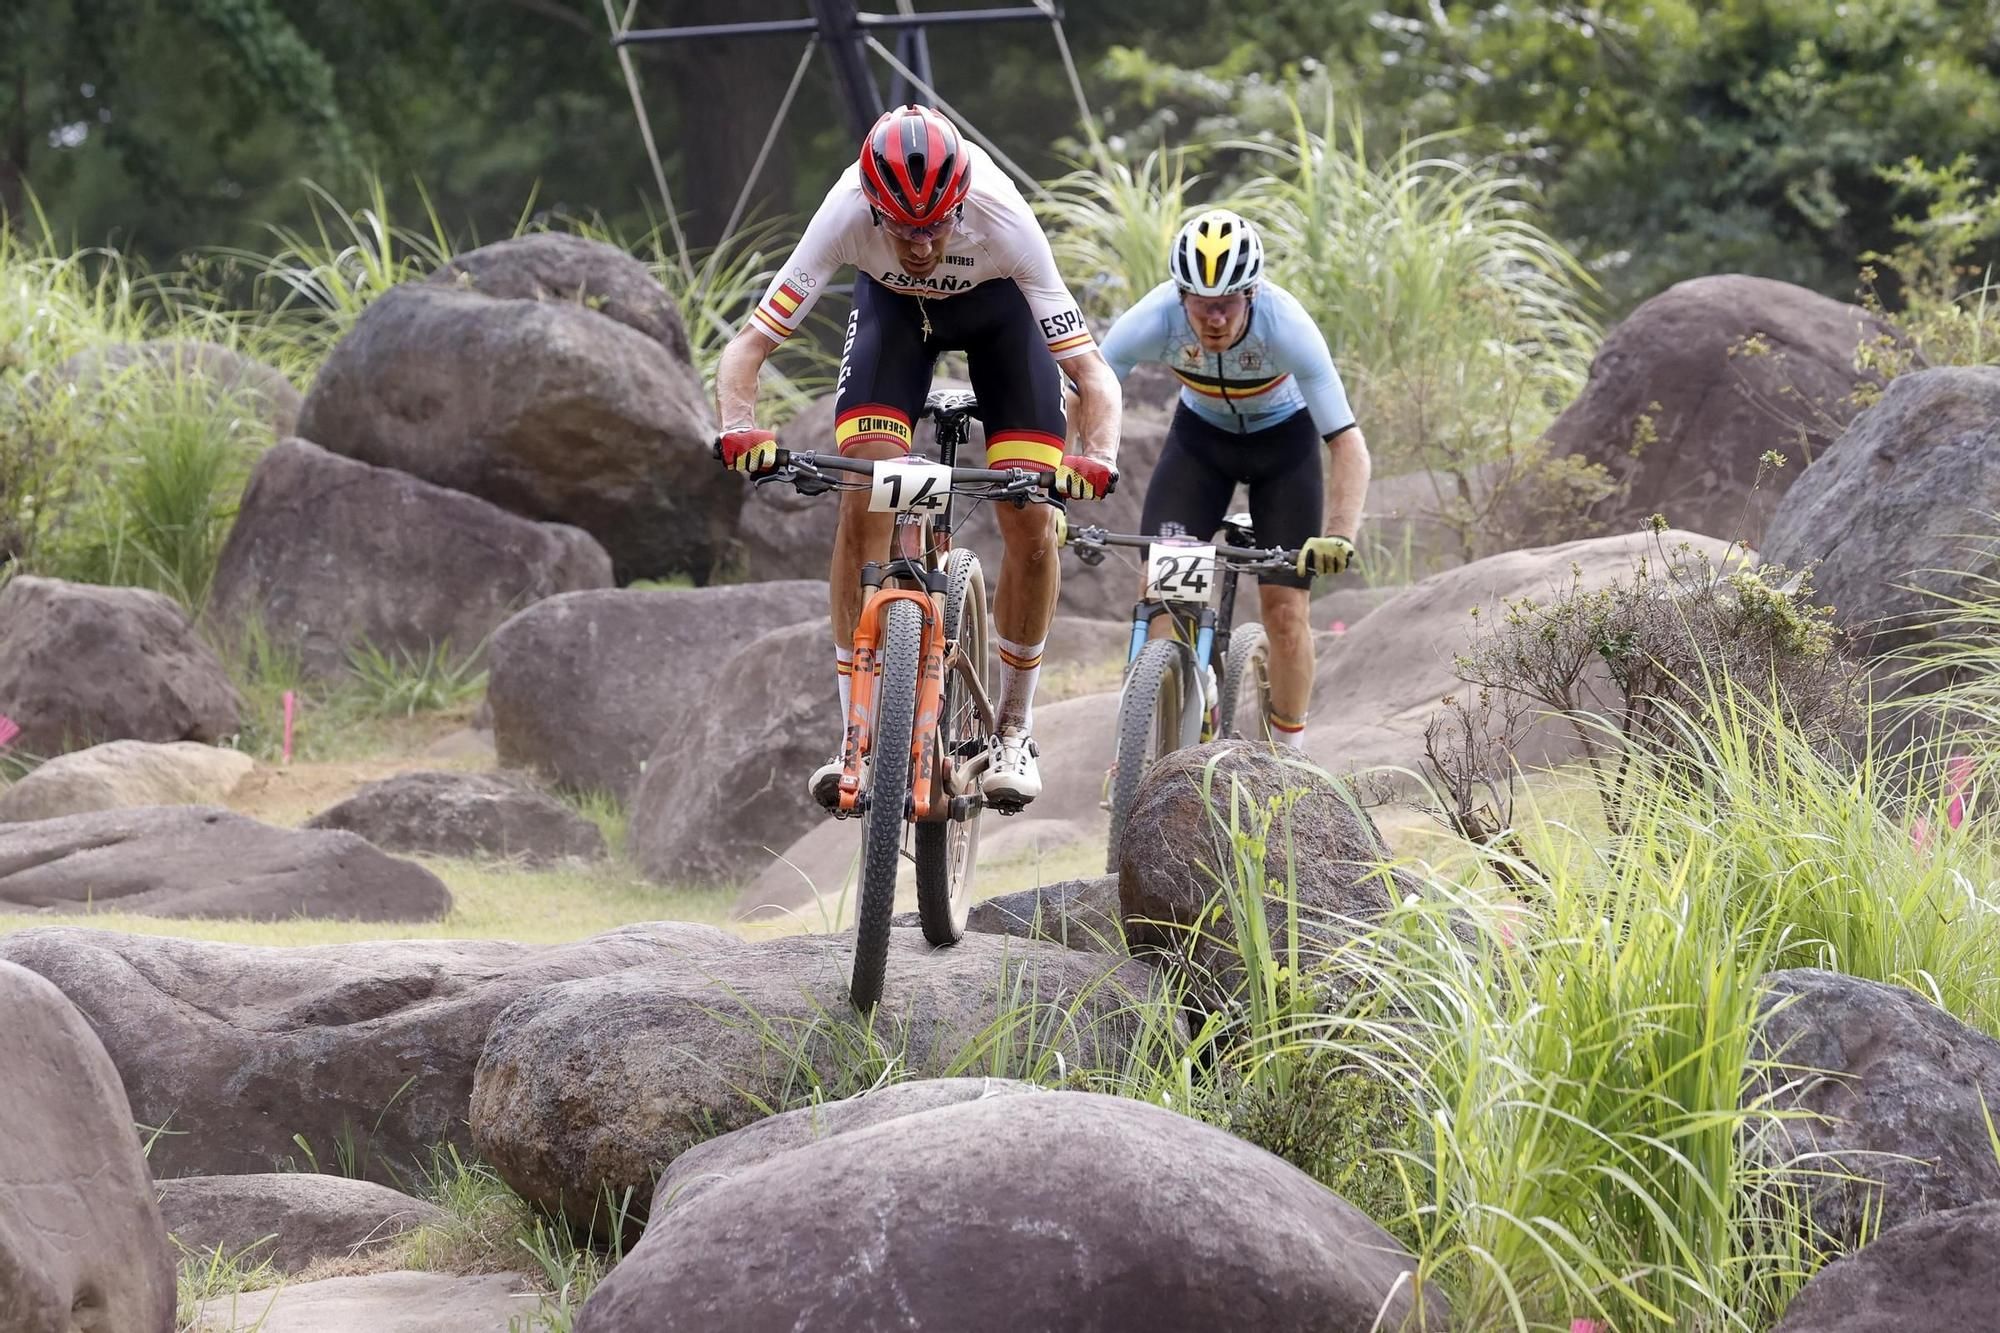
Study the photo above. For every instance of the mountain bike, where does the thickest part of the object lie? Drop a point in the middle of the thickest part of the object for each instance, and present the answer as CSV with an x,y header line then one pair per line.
x,y
919,714
1171,697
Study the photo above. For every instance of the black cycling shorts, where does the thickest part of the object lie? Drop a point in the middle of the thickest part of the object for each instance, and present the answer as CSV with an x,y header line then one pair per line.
x,y
894,339
1201,465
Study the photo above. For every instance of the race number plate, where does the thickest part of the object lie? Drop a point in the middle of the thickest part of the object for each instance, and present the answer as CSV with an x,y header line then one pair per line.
x,y
1179,573
910,485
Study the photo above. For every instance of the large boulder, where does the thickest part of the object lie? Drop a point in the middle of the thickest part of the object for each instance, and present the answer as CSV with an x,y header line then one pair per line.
x,y
82,1245
557,266
289,1219
81,664
365,1051
465,814
121,774
1379,684
1065,1210
706,1165
199,861
568,400
588,1089
329,554
1898,513
725,789
782,534
1697,384
1177,843
1936,1272
222,376
583,686
409,1302
1898,1093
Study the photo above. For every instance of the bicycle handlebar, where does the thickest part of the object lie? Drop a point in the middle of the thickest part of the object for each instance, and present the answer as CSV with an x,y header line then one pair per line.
x,y
791,465
1092,537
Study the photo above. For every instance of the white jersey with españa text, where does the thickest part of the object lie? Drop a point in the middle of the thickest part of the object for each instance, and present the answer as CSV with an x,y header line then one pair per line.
x,y
997,237
1279,365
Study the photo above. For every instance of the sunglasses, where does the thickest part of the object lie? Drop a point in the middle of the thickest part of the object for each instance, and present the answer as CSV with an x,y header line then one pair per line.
x,y
904,232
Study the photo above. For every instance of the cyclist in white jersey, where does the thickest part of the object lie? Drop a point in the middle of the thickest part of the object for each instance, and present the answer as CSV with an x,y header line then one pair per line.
x,y
1259,397
947,257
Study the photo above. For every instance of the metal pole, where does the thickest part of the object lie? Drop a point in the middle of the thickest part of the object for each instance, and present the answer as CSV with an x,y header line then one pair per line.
x,y
844,38
757,29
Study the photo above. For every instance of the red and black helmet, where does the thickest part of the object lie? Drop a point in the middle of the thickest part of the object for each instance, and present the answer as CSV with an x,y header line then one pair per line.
x,y
914,168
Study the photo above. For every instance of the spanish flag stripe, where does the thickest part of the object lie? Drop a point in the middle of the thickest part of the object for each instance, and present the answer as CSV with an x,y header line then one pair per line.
x,y
1072,342
1017,451
784,302
1285,724
1020,663
871,422
771,325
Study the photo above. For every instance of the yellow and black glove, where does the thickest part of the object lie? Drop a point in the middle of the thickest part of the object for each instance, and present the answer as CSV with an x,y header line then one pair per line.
x,y
1325,555
1080,478
748,450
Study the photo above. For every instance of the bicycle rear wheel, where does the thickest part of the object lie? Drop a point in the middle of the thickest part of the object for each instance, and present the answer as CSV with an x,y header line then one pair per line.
x,y
1149,728
948,850
888,797
1246,683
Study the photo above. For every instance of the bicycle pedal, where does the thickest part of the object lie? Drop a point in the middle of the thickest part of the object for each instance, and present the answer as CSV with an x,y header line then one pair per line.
x,y
1006,807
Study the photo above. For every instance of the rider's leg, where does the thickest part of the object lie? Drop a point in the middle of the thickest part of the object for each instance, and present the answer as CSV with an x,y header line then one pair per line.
x,y
1189,492
1286,626
1023,607
1287,504
1020,390
885,370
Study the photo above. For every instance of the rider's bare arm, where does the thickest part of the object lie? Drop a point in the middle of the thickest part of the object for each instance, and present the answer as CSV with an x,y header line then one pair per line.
x,y
1347,470
1100,402
736,378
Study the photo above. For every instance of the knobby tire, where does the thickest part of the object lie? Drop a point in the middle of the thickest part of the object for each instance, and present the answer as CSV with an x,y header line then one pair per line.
x,y
1149,727
944,898
1248,668
888,797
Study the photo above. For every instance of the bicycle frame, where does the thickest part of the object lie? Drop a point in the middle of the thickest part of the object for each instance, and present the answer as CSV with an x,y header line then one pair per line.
x,y
920,544
1202,630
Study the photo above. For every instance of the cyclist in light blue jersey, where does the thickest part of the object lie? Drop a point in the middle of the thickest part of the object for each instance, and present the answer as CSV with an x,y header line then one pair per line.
x,y
1259,399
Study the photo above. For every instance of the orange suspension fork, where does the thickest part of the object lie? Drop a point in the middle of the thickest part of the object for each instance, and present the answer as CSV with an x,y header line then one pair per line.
x,y
862,692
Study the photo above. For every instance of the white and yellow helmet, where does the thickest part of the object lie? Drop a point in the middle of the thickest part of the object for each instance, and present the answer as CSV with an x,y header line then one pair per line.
x,y
1217,254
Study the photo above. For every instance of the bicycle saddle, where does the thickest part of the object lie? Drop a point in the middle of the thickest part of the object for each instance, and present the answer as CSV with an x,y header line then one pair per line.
x,y
945,403
1237,526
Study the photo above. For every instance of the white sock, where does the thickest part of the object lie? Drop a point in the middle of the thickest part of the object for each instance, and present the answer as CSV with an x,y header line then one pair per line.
x,y
843,670
1020,668
1287,730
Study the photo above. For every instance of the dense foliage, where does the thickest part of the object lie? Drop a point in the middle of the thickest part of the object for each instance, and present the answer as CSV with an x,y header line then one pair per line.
x,y
1670,137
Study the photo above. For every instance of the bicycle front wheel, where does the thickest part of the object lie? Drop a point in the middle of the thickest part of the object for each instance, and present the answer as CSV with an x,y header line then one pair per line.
x,y
888,796
948,850
1246,684
1149,728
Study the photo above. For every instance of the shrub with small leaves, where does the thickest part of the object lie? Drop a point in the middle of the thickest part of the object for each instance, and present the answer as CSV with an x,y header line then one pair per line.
x,y
1640,658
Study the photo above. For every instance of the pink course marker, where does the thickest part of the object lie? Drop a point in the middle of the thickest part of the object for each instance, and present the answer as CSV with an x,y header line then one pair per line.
x,y
9,729
291,708
1338,627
